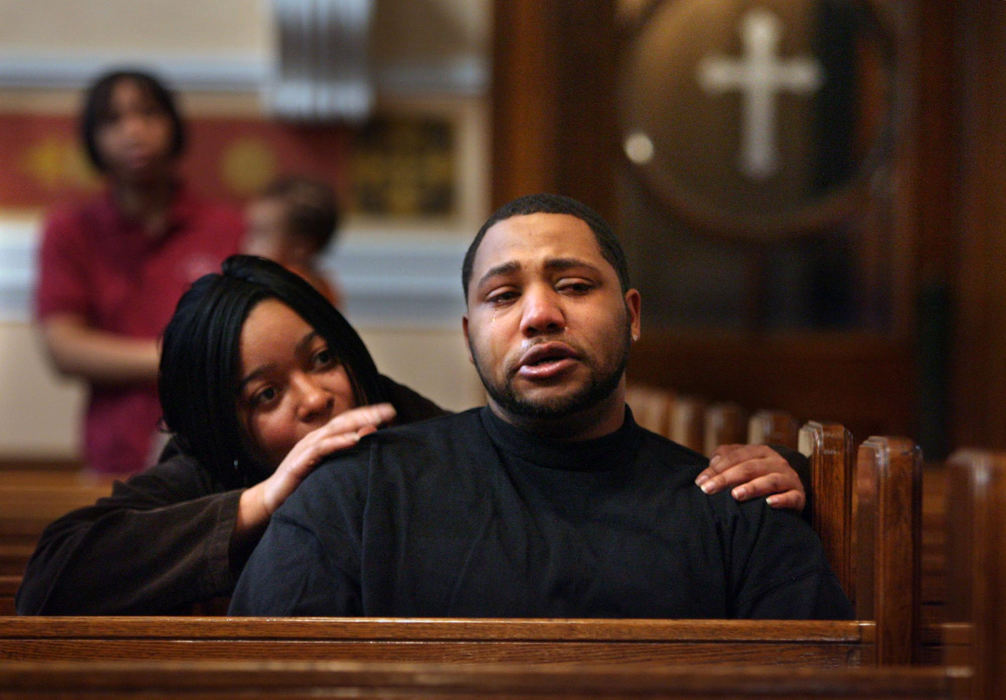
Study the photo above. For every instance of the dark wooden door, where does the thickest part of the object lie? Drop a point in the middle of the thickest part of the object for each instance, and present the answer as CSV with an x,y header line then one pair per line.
x,y
878,359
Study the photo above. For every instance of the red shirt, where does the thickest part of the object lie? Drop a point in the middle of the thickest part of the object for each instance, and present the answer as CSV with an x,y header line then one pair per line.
x,y
96,263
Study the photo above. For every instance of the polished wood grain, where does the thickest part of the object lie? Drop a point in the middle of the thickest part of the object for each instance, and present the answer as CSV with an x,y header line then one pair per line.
x,y
8,588
817,643
976,560
828,446
887,512
207,679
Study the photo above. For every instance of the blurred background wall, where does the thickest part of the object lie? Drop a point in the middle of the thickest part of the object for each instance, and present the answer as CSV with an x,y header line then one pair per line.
x,y
413,170
854,273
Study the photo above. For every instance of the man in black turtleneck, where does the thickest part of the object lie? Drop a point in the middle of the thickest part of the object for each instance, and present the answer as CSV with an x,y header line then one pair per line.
x,y
548,502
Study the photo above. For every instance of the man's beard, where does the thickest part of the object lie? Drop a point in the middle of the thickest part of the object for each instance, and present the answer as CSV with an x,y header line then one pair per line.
x,y
599,387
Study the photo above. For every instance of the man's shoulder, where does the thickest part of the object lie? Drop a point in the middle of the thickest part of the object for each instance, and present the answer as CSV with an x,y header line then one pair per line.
x,y
667,452
432,434
450,427
401,450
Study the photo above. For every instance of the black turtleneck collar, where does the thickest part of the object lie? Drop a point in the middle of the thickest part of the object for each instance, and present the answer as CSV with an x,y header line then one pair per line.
x,y
603,453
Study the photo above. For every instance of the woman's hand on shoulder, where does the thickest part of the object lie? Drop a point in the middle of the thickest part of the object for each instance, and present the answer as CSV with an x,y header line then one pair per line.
x,y
259,502
340,433
753,471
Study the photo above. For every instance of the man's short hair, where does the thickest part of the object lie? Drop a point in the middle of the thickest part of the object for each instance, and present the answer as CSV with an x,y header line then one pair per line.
x,y
310,209
544,203
98,106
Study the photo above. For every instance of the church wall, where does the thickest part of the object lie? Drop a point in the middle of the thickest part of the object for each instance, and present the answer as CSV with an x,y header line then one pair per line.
x,y
399,275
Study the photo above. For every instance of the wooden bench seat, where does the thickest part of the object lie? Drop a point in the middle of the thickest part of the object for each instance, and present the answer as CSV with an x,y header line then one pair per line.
x,y
208,679
8,587
790,642
30,500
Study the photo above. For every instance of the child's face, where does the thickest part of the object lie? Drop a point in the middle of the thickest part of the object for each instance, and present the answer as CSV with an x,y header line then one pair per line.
x,y
291,382
135,138
266,234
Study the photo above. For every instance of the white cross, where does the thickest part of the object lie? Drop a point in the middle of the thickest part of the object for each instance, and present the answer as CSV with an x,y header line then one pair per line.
x,y
759,75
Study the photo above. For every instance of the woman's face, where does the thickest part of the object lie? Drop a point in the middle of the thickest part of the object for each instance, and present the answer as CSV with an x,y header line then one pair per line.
x,y
290,382
135,137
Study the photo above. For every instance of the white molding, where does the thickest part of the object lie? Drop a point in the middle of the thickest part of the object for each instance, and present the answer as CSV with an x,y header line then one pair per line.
x,y
238,72
17,268
463,76
407,280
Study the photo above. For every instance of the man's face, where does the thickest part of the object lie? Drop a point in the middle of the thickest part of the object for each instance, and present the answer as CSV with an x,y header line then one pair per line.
x,y
548,327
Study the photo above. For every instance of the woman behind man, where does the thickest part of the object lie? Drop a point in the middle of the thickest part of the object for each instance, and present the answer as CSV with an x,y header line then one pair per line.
x,y
256,373
112,268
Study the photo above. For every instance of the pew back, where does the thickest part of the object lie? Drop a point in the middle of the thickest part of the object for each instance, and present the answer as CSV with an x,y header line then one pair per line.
x,y
887,503
976,504
725,423
768,427
828,446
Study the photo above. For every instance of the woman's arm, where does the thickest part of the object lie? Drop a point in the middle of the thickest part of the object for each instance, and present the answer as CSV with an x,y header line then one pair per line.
x,y
259,502
169,537
159,543
78,350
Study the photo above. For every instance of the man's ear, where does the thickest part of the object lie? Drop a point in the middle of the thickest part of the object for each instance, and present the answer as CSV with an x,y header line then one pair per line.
x,y
633,304
468,344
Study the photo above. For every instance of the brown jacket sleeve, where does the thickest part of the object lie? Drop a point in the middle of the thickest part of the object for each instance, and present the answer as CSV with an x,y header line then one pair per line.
x,y
157,545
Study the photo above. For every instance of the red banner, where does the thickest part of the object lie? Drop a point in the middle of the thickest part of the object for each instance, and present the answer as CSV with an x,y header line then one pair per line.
x,y
42,161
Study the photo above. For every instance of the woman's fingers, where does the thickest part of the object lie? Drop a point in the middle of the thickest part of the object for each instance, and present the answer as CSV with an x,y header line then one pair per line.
x,y
791,500
731,465
340,433
753,471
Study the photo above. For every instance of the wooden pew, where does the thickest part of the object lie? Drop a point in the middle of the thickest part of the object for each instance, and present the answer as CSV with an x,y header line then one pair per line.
x,y
30,500
208,679
768,427
828,446
8,587
887,517
651,407
687,422
818,643
976,558
868,516
933,590
546,645
725,423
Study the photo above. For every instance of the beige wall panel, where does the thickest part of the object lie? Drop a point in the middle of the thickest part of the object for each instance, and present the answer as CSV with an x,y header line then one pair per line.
x,y
157,26
433,362
38,410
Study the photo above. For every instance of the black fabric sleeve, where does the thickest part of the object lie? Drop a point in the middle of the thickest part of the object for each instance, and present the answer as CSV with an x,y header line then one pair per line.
x,y
157,545
291,573
777,567
308,561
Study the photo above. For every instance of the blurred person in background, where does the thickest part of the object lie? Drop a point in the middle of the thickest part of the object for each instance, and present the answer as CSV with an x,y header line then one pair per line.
x,y
112,268
292,221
